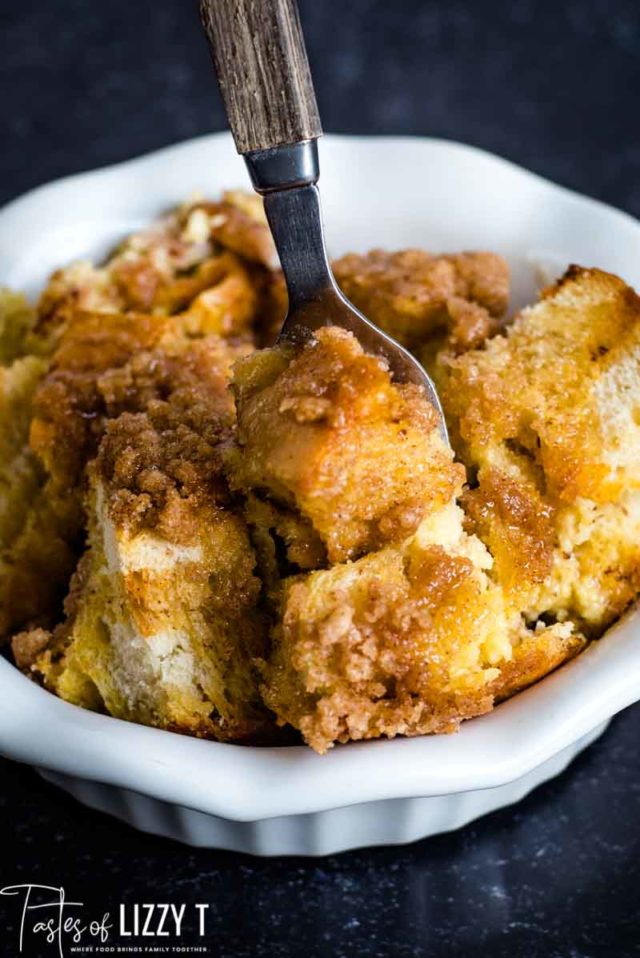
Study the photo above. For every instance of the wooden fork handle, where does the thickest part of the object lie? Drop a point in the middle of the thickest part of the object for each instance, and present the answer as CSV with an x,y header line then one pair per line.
x,y
261,61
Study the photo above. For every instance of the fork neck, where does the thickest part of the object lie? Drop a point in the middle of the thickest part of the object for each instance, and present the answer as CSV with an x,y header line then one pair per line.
x,y
286,176
283,167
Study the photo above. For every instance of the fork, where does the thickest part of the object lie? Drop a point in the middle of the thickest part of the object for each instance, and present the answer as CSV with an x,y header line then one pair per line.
x,y
260,58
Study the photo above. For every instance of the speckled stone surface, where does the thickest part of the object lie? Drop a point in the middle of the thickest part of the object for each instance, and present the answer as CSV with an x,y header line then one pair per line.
x,y
554,87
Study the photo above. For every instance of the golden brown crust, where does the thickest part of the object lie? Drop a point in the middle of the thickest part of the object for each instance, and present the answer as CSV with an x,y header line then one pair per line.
x,y
325,431
482,278
535,385
378,647
544,416
103,365
239,223
38,562
17,319
164,462
197,259
106,365
28,646
536,655
163,620
515,522
415,296
34,550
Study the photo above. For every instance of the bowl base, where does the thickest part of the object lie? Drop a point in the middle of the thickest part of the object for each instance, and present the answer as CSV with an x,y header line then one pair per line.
x,y
389,822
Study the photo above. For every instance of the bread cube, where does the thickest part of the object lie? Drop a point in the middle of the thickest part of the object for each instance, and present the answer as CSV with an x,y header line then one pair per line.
x,y
405,641
325,433
421,300
162,619
546,416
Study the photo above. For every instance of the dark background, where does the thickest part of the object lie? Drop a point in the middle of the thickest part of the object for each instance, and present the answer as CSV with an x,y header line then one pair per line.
x,y
553,86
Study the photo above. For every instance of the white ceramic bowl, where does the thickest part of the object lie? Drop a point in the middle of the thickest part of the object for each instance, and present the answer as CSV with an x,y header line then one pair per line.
x,y
390,192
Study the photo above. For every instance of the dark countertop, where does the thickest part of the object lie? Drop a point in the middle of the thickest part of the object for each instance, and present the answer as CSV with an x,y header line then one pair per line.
x,y
553,87
557,876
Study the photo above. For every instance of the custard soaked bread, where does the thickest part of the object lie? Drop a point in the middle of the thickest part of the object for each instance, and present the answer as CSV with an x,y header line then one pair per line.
x,y
26,556
162,620
17,319
203,258
20,375
63,424
324,433
200,270
547,417
103,366
406,641
425,301
413,636
311,560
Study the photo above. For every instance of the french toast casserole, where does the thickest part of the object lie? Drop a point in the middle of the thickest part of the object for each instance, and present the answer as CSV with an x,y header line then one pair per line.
x,y
209,533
